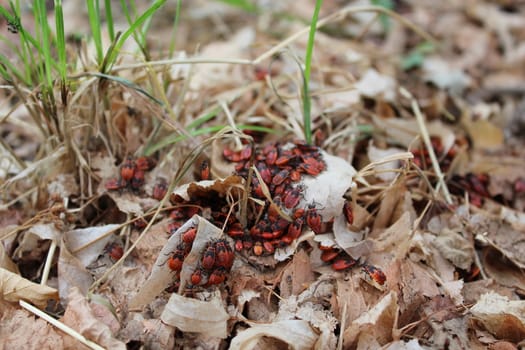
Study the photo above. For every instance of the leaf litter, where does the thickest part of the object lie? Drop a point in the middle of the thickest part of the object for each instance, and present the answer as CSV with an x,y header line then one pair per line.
x,y
259,240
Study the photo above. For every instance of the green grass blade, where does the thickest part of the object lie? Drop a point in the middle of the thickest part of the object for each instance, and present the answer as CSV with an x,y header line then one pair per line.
x,y
112,54
94,22
60,40
43,29
109,19
307,69
174,138
203,118
129,84
244,5
175,28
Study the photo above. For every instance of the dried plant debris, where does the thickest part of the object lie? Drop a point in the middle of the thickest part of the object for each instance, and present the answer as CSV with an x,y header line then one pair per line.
x,y
174,202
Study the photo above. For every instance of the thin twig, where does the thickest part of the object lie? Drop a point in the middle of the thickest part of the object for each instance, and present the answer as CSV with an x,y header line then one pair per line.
x,y
61,326
49,261
426,139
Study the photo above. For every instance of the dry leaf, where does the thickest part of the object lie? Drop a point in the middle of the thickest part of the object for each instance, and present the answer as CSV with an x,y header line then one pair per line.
x,y
15,288
379,322
88,243
79,316
484,134
297,275
192,315
454,247
375,84
71,273
296,333
502,317
22,330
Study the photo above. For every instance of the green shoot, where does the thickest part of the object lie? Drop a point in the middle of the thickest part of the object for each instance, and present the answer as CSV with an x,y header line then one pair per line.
x,y
383,18
109,19
60,41
111,55
94,21
307,69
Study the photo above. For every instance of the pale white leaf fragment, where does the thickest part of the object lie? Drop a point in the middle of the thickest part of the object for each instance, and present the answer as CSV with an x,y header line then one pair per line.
x,y
502,317
86,244
197,316
298,334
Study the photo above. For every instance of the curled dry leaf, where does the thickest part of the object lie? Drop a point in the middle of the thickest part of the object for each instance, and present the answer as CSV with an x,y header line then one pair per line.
x,y
327,189
15,288
79,316
6,262
86,244
380,321
455,248
161,276
383,171
298,334
191,315
71,273
502,317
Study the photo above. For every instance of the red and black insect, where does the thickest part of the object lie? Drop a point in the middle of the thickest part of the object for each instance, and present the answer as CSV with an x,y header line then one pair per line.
x,y
205,170
343,263
374,273
176,260
224,255
127,169
280,177
329,255
137,180
189,236
114,184
209,256
292,197
198,276
115,251
145,163
258,248
159,190
314,219
217,276
348,212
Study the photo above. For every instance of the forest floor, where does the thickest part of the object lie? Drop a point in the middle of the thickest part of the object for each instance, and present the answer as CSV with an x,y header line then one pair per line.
x,y
175,203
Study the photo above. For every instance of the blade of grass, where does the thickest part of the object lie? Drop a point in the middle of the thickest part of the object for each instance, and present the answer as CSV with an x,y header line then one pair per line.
x,y
174,138
112,54
109,19
307,69
60,41
45,40
244,5
127,83
175,28
94,21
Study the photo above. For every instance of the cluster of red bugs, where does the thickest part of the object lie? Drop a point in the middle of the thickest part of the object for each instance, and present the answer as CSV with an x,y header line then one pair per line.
x,y
217,260
422,158
279,167
476,185
132,172
340,261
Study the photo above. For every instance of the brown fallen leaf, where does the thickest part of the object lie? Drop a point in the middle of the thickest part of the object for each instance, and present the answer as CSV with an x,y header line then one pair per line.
x,y
502,317
379,322
22,330
15,288
297,275
80,316
71,273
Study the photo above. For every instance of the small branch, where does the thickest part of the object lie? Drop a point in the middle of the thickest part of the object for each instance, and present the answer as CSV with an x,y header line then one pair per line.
x,y
49,261
60,326
426,139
